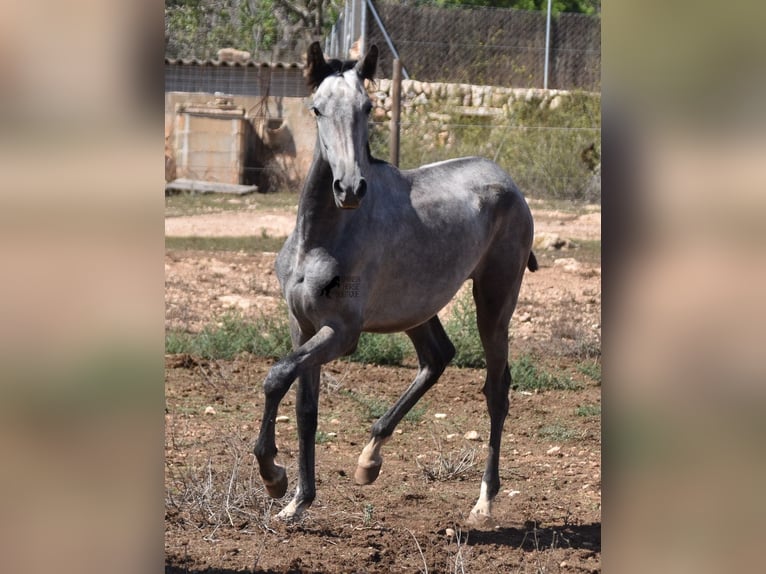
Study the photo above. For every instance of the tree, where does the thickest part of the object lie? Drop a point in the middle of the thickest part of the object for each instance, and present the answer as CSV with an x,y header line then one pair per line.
x,y
265,28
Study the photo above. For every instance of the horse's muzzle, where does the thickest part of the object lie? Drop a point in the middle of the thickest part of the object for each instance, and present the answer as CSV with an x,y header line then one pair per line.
x,y
348,198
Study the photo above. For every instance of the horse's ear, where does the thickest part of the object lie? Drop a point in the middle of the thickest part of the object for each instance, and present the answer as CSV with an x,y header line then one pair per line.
x,y
366,68
316,67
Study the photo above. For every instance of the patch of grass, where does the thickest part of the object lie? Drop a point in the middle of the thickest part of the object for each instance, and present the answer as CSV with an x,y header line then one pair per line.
x,y
266,336
588,251
182,204
248,244
373,408
464,334
323,437
527,376
557,432
588,411
380,349
591,369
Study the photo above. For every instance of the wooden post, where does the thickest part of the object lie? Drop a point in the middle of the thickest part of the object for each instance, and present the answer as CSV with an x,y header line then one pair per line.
x,y
396,109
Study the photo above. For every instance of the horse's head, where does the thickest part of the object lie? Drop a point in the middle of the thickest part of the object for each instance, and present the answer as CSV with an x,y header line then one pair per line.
x,y
342,107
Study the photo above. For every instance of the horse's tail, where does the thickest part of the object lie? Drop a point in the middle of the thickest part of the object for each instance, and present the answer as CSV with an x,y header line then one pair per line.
x,y
532,262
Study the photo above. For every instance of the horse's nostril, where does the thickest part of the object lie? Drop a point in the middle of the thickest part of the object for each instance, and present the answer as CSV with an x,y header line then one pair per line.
x,y
337,187
362,189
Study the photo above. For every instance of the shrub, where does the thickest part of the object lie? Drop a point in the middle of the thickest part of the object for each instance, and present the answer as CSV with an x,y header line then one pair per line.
x,y
266,336
378,349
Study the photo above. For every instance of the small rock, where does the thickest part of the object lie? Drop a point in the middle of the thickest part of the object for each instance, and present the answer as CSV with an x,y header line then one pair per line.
x,y
568,264
513,493
335,422
282,419
398,431
209,411
440,416
452,436
553,450
551,241
524,318
472,435
450,533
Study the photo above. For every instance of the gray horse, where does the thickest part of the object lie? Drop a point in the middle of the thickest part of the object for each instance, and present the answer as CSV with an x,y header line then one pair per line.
x,y
382,250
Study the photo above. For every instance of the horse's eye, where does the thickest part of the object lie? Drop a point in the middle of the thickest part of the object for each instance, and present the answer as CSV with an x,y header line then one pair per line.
x,y
315,111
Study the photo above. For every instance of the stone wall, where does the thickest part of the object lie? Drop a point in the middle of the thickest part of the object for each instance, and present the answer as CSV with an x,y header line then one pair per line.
x,y
422,97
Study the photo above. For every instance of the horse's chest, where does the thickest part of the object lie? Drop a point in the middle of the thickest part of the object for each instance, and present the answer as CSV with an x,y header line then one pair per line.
x,y
315,284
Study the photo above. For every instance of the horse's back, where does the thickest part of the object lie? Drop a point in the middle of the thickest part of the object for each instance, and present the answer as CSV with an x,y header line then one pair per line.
x,y
476,182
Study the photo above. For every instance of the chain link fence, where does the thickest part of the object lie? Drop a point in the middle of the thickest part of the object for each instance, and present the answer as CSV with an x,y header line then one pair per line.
x,y
484,46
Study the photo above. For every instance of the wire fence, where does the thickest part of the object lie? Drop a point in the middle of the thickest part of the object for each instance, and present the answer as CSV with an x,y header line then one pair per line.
x,y
490,46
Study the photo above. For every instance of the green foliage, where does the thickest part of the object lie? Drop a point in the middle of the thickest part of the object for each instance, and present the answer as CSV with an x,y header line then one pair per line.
x,y
557,432
323,437
527,376
199,28
263,244
378,349
464,333
592,369
588,411
373,408
266,336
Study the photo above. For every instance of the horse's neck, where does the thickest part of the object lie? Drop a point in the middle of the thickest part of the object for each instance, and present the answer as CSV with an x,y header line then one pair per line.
x,y
316,209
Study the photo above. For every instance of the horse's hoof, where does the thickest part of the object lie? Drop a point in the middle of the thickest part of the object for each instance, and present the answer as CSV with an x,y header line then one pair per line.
x,y
290,513
367,474
276,488
477,520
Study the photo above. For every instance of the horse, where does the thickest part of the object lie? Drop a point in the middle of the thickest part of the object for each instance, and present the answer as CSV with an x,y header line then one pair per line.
x,y
406,241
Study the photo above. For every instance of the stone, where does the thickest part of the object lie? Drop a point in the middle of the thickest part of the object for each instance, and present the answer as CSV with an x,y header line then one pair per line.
x,y
472,435
282,419
550,241
568,264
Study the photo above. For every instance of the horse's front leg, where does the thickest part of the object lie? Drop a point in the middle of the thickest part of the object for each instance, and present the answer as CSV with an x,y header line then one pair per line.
x,y
327,344
306,408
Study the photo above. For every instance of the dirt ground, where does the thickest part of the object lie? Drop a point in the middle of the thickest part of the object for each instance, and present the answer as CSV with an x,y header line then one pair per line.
x,y
548,513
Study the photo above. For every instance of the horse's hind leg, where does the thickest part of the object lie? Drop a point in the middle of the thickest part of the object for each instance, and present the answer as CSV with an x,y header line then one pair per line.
x,y
495,294
434,351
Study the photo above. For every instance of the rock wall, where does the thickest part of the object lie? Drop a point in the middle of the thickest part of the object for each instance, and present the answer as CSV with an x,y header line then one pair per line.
x,y
423,97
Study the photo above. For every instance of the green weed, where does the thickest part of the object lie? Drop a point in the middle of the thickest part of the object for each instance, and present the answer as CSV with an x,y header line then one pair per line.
x,y
249,244
527,376
588,411
592,369
372,408
323,437
265,336
557,432
379,349
463,331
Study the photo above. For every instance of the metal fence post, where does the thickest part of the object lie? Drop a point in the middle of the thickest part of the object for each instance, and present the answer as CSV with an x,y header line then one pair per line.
x,y
396,108
547,45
